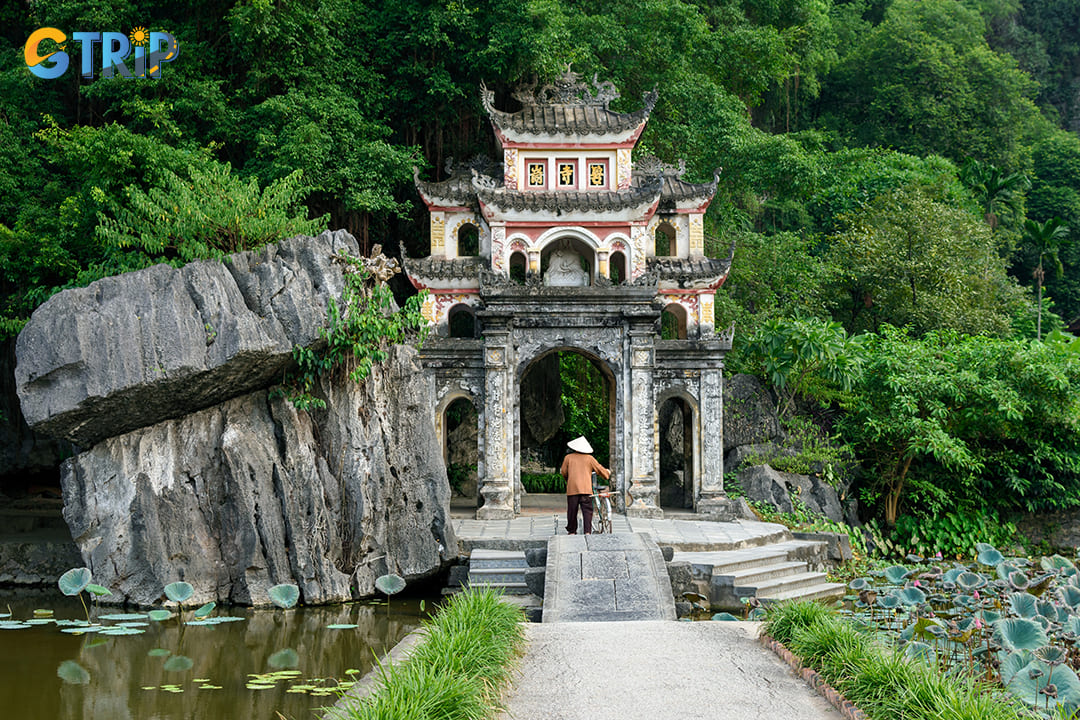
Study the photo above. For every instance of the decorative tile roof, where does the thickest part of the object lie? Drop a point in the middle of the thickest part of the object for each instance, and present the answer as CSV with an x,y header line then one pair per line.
x,y
675,188
436,268
690,271
457,190
567,107
567,200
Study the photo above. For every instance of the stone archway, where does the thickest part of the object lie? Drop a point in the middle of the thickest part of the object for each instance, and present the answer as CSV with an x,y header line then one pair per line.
x,y
676,430
458,425
545,424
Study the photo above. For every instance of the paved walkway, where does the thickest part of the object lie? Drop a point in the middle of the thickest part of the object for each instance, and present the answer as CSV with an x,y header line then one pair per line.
x,y
603,578
654,671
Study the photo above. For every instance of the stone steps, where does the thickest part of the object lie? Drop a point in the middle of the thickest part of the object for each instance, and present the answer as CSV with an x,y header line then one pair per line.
x,y
501,569
778,571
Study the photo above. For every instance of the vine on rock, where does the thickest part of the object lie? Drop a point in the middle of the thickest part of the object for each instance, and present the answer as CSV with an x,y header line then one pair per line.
x,y
359,331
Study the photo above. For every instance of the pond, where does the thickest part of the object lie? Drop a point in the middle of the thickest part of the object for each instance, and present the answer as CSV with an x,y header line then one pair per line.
x,y
270,664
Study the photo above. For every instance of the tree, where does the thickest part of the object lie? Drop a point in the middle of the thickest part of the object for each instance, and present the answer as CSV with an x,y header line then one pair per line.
x,y
994,189
1046,239
907,259
961,421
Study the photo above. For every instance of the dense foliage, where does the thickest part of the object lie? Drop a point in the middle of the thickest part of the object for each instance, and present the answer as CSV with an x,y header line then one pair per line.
x,y
886,163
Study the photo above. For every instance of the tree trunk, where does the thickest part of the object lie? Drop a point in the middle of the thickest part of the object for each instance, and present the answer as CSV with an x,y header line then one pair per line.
x,y
892,499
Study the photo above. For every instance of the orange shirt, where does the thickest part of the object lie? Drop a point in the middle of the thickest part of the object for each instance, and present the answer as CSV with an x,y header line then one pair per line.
x,y
578,468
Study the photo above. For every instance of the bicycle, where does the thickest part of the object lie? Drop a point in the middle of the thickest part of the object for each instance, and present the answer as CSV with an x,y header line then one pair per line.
x,y
601,519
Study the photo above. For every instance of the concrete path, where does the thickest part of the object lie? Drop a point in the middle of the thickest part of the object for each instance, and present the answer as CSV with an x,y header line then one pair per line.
x,y
603,578
655,671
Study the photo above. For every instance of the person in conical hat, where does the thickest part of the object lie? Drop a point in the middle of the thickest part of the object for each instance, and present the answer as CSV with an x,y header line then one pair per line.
x,y
578,467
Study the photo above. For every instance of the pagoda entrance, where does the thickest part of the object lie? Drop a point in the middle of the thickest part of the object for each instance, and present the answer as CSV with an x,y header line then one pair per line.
x,y
563,393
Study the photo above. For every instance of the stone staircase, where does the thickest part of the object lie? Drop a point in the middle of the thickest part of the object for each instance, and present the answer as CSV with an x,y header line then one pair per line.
x,y
502,569
771,573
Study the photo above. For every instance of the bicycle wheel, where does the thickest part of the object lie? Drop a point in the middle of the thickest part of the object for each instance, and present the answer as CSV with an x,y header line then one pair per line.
x,y
606,522
597,520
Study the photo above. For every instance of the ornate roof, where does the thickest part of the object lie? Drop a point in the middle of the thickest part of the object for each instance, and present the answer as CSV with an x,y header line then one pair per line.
x,y
567,107
562,201
457,190
690,272
441,269
675,188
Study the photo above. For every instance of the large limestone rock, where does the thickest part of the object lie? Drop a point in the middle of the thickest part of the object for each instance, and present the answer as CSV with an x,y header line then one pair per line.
x,y
129,351
749,413
250,493
762,483
541,401
23,452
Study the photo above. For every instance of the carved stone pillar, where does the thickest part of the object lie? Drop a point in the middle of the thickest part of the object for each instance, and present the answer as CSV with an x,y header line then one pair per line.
x,y
498,490
713,502
644,485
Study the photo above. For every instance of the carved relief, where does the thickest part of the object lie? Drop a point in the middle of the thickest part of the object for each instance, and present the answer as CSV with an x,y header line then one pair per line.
x,y
510,171
498,248
697,234
622,168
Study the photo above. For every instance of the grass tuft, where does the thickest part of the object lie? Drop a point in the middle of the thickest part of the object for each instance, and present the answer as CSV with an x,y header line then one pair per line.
x,y
459,670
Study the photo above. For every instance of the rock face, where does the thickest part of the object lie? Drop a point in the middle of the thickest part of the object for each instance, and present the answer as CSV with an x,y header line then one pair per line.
x,y
749,412
762,483
22,450
541,401
251,493
130,351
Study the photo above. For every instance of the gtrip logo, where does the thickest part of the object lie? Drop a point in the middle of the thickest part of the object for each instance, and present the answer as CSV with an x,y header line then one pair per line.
x,y
151,50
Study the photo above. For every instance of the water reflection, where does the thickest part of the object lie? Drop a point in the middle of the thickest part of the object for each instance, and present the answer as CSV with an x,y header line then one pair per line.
x,y
174,671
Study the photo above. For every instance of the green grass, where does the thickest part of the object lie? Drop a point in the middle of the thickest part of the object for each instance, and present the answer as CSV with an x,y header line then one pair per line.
x,y
878,679
459,670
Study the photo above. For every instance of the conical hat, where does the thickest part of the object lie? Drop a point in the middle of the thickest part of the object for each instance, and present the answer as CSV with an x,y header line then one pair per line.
x,y
580,445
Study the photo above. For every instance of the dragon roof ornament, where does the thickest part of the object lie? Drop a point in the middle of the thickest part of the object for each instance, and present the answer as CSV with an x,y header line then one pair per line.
x,y
568,90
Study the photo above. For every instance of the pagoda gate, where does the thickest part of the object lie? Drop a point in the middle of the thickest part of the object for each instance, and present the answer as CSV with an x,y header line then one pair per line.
x,y
556,249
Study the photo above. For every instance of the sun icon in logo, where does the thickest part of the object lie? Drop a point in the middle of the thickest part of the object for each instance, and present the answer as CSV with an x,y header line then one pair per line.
x,y
139,36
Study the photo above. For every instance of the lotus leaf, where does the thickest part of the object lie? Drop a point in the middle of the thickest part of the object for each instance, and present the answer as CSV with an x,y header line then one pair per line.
x,y
896,574
285,595
1073,625
983,547
989,617
72,672
74,581
1051,655
178,592
913,558
757,613
1047,610
1013,663
1069,594
1074,580
991,557
860,584
159,652
1028,683
178,663
890,601
159,615
970,581
1018,580
952,573
911,596
920,651
1020,634
1056,562
122,617
724,617
205,609
98,590
390,584
284,659
1004,570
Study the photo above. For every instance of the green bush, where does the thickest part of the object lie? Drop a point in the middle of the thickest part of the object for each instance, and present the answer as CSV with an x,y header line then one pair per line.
x,y
543,482
953,535
457,672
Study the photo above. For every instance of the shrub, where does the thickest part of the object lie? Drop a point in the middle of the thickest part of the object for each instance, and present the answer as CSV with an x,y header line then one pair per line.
x,y
543,482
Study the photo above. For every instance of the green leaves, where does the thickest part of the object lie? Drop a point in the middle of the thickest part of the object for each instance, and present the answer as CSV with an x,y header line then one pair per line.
x,y
284,595
390,584
74,581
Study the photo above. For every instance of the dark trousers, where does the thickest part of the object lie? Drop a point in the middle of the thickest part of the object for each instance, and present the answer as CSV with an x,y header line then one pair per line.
x,y
572,504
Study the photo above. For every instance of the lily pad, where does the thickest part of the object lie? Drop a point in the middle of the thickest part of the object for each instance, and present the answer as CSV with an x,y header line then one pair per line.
x,y
159,615
969,581
98,590
1056,562
178,592
205,609
390,584
123,617
284,659
860,583
911,596
342,626
1028,683
896,574
725,617
74,581
178,663
1070,595
1024,604
1020,634
990,557
72,673
919,651
284,595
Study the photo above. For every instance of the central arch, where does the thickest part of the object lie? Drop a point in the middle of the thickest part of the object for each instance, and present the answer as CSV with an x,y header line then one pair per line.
x,y
563,392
